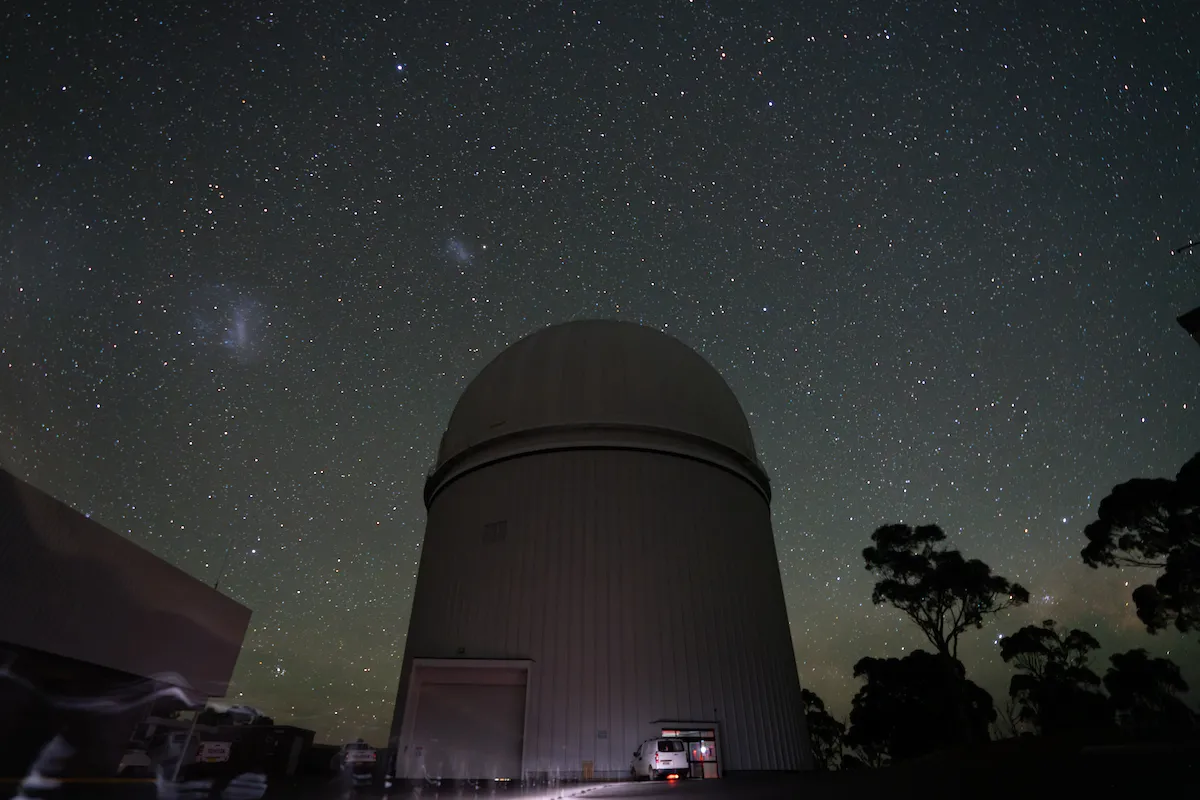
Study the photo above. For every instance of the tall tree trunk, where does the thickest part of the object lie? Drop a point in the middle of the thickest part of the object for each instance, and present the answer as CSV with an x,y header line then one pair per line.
x,y
955,674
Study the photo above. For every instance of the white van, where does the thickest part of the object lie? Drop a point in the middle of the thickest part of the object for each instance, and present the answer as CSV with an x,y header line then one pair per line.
x,y
660,757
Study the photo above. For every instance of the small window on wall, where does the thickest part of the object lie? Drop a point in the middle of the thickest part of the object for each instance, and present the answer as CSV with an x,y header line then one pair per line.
x,y
494,532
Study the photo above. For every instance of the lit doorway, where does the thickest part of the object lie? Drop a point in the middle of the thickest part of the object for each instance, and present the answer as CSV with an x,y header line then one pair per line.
x,y
701,745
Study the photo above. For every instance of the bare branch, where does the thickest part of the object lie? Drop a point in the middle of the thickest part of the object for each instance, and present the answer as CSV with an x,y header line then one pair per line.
x,y
1129,561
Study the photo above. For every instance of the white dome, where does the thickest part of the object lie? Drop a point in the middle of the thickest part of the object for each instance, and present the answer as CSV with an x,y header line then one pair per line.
x,y
598,379
598,567
607,590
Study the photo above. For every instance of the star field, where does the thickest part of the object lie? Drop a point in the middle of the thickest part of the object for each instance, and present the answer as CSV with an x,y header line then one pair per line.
x,y
249,257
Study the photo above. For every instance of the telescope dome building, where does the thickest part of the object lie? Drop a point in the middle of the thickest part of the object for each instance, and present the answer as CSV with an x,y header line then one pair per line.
x,y
598,569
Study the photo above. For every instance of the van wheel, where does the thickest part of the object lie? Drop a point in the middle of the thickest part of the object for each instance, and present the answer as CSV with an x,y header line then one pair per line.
x,y
650,774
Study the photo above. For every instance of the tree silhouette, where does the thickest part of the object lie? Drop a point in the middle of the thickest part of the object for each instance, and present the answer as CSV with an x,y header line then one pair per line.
x,y
907,707
232,716
1154,522
1145,691
825,732
850,762
1055,689
1007,724
936,587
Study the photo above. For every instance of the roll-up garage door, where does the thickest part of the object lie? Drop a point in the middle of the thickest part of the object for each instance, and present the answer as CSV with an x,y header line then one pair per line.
x,y
470,730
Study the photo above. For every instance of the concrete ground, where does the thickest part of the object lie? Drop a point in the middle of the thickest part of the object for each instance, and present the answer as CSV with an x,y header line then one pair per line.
x,y
676,790
789,787
1148,780
1118,774
704,790
1139,778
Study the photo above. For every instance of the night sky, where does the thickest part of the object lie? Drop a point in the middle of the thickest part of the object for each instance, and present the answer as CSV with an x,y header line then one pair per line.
x,y
250,257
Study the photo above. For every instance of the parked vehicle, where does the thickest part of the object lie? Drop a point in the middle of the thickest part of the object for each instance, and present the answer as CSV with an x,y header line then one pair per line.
x,y
357,759
213,752
658,757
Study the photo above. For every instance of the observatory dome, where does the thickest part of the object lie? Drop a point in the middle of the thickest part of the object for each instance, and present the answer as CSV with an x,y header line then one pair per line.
x,y
599,380
598,571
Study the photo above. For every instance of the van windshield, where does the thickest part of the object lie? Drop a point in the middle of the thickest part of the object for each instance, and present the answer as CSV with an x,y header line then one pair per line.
x,y
670,746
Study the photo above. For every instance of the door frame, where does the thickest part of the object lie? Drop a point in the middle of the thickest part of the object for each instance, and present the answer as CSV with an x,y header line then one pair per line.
x,y
422,667
662,726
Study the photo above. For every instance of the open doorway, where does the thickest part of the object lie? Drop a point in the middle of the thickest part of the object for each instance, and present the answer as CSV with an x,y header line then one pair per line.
x,y
464,719
700,742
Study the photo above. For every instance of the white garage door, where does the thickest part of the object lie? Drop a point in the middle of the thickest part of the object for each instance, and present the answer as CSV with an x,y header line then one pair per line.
x,y
470,730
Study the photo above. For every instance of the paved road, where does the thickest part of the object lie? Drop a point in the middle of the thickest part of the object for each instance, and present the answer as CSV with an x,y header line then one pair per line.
x,y
1145,783
787,788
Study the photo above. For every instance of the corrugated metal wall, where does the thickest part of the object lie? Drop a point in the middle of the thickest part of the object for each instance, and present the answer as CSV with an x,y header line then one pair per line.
x,y
644,586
